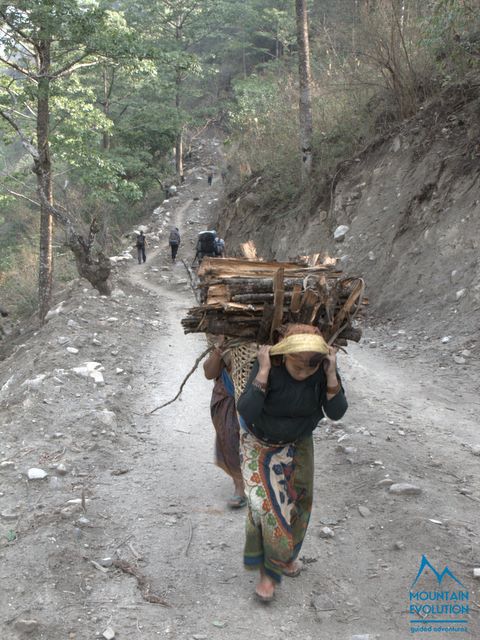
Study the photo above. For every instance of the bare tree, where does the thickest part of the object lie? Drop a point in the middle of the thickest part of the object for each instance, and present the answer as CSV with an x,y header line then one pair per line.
x,y
305,81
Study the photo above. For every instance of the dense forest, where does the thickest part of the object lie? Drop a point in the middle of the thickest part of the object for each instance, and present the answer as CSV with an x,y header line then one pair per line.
x,y
101,101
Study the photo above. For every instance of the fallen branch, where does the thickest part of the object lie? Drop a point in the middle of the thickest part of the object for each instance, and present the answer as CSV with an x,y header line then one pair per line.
x,y
192,283
142,582
192,370
189,538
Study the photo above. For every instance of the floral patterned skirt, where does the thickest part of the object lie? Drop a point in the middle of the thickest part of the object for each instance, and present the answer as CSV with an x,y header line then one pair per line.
x,y
278,486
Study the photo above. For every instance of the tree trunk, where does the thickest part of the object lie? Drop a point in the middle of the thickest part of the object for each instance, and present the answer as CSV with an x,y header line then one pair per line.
x,y
43,170
179,137
305,82
107,90
95,270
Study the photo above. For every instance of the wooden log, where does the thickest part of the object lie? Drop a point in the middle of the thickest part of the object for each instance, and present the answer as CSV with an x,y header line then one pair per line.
x,y
250,268
278,296
296,302
308,307
351,333
256,298
263,334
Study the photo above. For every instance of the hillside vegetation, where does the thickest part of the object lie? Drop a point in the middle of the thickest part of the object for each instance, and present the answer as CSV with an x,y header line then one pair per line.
x,y
152,76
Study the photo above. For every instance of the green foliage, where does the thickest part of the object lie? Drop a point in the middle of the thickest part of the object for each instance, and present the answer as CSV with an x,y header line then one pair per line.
x,y
451,33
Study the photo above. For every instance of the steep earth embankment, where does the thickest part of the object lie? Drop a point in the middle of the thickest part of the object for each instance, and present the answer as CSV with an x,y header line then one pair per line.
x,y
411,202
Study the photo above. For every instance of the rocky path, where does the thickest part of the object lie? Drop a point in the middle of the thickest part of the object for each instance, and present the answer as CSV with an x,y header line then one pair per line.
x,y
148,549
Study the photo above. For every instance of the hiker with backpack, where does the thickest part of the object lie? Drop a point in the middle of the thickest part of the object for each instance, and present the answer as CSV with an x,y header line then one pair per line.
x,y
174,242
140,244
205,245
220,247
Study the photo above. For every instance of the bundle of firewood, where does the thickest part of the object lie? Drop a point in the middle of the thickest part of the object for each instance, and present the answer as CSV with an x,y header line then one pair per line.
x,y
251,299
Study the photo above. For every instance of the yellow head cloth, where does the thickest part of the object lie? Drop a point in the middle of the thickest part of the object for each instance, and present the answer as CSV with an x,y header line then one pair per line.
x,y
299,342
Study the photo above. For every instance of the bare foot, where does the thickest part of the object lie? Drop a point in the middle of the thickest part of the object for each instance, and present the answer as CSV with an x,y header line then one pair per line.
x,y
265,589
293,568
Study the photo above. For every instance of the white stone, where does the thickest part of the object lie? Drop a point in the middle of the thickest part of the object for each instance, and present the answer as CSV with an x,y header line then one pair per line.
x,y
9,515
54,312
386,482
340,232
404,488
446,339
73,350
36,474
7,464
107,418
460,294
371,256
326,532
118,293
109,633
33,383
476,572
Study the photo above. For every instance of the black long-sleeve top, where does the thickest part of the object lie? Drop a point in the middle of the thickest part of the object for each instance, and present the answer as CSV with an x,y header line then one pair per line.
x,y
290,409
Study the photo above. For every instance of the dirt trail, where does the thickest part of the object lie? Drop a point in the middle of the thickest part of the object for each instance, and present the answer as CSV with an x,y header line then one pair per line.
x,y
156,501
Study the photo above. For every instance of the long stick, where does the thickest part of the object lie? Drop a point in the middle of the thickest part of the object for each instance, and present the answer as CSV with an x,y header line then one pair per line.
x,y
192,284
197,362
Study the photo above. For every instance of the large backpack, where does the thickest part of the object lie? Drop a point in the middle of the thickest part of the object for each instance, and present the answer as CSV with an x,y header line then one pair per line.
x,y
219,246
206,243
174,237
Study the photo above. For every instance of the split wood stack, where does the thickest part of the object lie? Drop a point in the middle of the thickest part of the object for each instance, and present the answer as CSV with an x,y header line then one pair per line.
x,y
250,300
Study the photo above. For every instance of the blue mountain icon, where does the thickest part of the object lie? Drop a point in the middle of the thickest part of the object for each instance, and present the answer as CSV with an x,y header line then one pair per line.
x,y
425,564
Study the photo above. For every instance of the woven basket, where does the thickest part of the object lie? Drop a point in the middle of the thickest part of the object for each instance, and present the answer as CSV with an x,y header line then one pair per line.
x,y
243,356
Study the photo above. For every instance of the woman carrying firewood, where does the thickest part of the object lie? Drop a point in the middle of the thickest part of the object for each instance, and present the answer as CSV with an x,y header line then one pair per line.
x,y
280,407
225,421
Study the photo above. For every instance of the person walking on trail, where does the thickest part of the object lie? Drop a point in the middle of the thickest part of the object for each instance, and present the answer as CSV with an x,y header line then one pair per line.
x,y
224,418
279,408
141,244
174,242
220,247
205,245
210,178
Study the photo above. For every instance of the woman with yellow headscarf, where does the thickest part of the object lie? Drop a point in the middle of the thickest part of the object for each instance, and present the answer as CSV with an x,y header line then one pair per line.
x,y
279,409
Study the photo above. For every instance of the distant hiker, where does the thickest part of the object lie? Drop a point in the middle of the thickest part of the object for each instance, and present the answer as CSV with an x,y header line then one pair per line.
x,y
205,245
174,242
220,247
140,244
210,178
170,191
224,175
224,417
